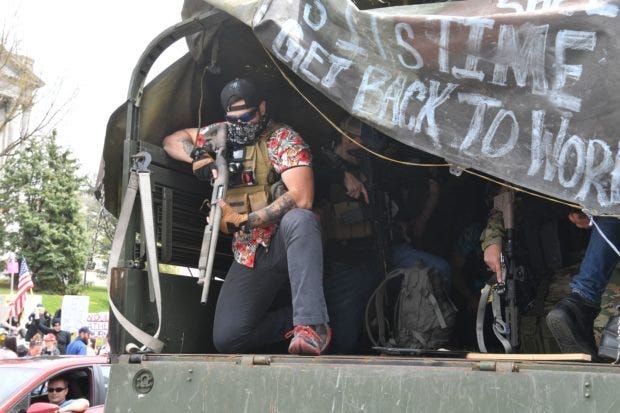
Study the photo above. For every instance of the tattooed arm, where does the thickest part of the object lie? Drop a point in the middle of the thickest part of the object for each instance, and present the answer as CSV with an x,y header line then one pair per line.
x,y
180,144
300,184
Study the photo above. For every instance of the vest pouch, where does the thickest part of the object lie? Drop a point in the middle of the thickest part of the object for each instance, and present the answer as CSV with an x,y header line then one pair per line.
x,y
349,213
250,158
245,175
347,221
239,202
258,200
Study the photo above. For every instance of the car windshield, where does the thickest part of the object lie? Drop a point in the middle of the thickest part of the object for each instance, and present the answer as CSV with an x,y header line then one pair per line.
x,y
13,378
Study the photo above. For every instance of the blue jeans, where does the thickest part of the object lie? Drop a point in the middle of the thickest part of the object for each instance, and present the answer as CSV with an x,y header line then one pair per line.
x,y
405,256
244,319
598,262
348,284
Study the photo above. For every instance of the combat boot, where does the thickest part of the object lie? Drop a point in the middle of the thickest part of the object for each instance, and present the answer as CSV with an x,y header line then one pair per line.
x,y
572,324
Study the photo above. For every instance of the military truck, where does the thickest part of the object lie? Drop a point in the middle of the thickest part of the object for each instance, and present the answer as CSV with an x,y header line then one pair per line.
x,y
518,92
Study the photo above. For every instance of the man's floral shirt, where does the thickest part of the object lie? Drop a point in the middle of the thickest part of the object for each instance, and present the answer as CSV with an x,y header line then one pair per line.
x,y
286,150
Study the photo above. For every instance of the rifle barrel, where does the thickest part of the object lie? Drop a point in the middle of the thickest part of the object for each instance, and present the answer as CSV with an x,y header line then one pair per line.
x,y
212,230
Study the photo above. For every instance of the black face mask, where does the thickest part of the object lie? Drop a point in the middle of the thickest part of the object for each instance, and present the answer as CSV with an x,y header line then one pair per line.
x,y
246,133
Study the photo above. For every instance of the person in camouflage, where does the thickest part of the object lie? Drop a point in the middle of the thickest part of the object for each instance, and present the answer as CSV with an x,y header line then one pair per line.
x,y
491,242
609,304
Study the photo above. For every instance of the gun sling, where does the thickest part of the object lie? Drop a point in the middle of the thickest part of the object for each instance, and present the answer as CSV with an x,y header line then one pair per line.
x,y
139,181
500,328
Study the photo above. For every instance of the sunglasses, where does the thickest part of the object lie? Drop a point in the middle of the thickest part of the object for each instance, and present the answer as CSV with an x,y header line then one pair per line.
x,y
246,117
55,389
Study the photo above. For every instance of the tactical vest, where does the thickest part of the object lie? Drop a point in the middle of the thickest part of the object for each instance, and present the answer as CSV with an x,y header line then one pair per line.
x,y
250,187
345,218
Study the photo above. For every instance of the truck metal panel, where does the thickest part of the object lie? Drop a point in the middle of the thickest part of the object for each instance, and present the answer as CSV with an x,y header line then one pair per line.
x,y
262,383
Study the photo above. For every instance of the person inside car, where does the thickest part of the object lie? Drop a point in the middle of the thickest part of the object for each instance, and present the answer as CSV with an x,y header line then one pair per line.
x,y
57,390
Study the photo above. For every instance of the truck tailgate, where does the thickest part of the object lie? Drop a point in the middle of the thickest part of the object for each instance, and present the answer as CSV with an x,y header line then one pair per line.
x,y
273,383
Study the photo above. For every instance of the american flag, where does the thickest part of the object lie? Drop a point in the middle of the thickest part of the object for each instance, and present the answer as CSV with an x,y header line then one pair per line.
x,y
24,284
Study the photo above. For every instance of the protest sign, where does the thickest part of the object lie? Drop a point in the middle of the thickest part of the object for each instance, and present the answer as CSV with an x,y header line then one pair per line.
x,y
74,312
98,324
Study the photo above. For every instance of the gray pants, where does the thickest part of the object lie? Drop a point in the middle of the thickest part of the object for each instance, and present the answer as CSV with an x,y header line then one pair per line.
x,y
243,318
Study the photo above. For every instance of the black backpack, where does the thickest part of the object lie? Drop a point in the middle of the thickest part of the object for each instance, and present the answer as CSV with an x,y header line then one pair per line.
x,y
422,316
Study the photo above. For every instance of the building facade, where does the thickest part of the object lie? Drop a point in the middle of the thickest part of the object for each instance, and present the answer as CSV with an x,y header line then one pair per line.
x,y
18,85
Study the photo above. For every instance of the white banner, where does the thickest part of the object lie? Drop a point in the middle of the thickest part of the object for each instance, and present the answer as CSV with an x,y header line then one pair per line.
x,y
74,312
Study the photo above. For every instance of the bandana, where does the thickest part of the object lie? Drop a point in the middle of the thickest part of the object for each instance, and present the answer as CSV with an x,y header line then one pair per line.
x,y
246,133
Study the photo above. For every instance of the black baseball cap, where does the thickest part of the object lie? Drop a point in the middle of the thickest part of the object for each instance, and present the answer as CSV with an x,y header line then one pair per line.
x,y
84,329
236,90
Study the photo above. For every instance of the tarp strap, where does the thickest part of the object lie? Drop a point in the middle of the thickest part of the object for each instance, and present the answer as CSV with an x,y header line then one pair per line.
x,y
139,181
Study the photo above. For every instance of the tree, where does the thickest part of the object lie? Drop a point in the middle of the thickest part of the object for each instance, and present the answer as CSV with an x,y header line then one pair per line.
x,y
100,225
18,96
40,213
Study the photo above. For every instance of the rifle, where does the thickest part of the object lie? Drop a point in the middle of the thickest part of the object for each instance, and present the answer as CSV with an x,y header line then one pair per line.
x,y
380,209
505,203
212,229
504,293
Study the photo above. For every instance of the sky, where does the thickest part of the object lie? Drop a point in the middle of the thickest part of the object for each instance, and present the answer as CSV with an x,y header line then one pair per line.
x,y
85,52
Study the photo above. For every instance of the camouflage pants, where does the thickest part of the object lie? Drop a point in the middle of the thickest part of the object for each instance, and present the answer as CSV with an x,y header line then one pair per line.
x,y
536,337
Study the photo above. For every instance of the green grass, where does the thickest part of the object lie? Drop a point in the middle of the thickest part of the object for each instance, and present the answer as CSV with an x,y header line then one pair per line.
x,y
98,298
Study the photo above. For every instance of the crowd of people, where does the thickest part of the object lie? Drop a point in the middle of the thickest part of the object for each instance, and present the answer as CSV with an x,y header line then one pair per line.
x,y
42,335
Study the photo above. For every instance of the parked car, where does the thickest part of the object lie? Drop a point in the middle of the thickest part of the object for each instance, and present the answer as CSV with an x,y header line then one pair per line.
x,y
23,381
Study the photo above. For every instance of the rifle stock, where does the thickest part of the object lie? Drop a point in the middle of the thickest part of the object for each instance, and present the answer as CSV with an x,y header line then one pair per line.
x,y
211,233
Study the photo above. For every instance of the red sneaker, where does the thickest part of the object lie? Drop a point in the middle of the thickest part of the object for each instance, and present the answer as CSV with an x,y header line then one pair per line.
x,y
309,340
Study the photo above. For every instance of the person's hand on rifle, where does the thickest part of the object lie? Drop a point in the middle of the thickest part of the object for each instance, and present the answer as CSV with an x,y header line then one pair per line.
x,y
493,259
354,186
203,165
231,221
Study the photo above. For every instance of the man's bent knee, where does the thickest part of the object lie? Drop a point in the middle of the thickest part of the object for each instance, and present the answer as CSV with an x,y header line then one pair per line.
x,y
299,217
228,341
